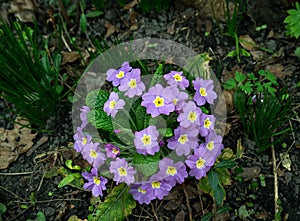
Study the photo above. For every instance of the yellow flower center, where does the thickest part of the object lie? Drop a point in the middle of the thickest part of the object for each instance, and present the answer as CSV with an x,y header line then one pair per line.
x,y
171,171
159,102
112,104
84,141
155,184
140,190
177,77
96,180
210,145
115,151
175,100
122,171
183,139
146,139
192,116
132,83
93,154
120,74
202,91
200,163
207,123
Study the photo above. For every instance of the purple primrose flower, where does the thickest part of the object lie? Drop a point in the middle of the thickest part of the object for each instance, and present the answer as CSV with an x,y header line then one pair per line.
x,y
158,101
199,162
122,172
116,76
95,183
184,140
172,172
91,153
207,123
178,98
132,84
175,78
113,104
140,193
111,150
81,139
190,115
145,141
213,143
204,91
158,187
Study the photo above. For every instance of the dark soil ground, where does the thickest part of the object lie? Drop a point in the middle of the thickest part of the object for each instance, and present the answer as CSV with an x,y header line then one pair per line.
x,y
184,24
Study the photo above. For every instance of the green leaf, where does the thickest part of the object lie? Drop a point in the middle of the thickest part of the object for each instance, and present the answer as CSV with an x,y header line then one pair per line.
x,y
147,165
93,14
83,23
65,181
213,180
100,120
40,216
247,87
207,217
240,77
96,99
231,54
70,166
271,77
2,210
230,84
219,194
251,77
117,205
226,164
297,52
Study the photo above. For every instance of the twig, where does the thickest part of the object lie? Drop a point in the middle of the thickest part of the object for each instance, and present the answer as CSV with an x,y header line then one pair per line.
x,y
38,189
15,174
188,203
14,194
275,181
153,210
200,199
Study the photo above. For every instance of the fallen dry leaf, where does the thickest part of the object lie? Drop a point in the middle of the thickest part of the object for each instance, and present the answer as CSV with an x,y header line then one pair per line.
x,y
226,109
278,70
286,161
247,42
14,142
110,29
69,57
23,10
130,5
250,172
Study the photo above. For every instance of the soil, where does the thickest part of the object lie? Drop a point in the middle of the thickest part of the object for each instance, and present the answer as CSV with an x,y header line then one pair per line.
x,y
185,24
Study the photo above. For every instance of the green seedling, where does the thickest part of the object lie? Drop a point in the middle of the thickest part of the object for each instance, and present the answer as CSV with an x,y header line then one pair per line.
x,y
292,22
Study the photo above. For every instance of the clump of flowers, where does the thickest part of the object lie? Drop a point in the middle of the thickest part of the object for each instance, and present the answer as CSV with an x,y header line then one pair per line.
x,y
141,125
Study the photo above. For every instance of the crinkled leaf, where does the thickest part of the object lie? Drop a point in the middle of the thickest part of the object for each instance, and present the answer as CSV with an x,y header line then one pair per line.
x,y
142,118
100,120
117,205
148,165
96,99
158,75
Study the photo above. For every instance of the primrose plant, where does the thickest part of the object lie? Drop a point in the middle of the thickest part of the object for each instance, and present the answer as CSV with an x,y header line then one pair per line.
x,y
154,132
